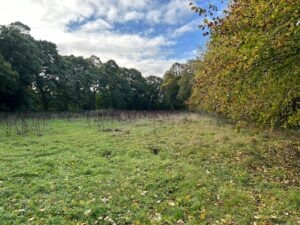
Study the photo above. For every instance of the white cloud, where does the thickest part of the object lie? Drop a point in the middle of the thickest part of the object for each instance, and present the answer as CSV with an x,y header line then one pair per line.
x,y
176,10
96,36
134,4
133,15
154,16
95,26
188,27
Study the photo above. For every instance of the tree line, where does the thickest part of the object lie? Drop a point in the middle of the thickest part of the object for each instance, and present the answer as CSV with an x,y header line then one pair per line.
x,y
250,71
34,77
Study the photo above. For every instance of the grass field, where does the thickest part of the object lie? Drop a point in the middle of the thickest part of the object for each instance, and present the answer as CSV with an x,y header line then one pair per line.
x,y
175,169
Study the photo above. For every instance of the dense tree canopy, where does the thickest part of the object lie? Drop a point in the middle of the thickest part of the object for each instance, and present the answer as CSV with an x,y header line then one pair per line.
x,y
20,50
33,76
250,71
154,96
8,84
177,85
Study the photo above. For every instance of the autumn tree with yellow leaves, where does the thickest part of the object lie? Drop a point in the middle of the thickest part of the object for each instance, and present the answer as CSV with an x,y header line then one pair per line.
x,y
251,69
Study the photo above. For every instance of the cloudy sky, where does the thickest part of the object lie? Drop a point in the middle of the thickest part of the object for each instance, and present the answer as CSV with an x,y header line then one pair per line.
x,y
149,35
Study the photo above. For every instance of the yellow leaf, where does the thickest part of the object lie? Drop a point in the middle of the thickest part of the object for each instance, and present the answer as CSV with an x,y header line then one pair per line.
x,y
203,215
135,203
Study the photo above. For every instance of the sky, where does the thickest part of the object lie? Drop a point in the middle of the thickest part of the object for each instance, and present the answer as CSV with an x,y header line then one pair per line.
x,y
149,35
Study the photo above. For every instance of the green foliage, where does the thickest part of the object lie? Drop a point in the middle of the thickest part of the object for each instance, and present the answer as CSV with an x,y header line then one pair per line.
x,y
251,71
34,76
80,83
185,84
177,85
170,89
47,80
8,84
136,89
154,96
20,50
99,101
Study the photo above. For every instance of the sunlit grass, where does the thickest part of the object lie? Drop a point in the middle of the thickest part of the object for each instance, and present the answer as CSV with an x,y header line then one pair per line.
x,y
204,172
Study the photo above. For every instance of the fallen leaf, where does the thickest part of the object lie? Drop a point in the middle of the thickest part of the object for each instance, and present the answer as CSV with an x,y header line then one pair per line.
x,y
87,212
180,222
171,203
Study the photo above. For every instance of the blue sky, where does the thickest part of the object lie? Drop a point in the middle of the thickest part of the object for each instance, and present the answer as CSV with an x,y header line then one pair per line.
x,y
149,35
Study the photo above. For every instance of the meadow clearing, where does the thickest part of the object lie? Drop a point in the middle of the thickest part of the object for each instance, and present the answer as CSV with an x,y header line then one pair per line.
x,y
145,168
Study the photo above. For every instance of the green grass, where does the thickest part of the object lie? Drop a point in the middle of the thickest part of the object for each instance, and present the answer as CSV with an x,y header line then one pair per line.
x,y
205,172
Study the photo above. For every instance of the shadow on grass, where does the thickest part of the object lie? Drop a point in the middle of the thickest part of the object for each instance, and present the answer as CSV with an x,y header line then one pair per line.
x,y
43,154
24,175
